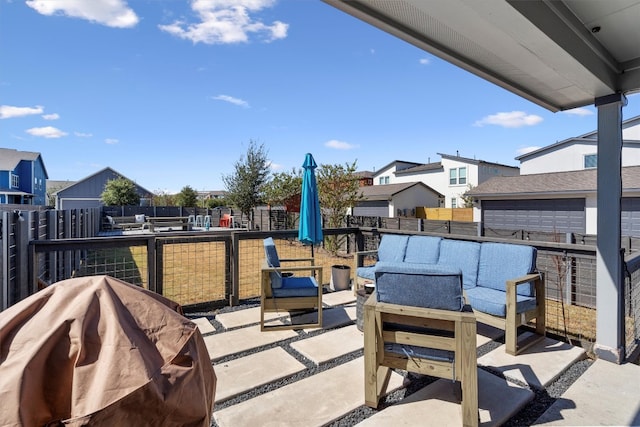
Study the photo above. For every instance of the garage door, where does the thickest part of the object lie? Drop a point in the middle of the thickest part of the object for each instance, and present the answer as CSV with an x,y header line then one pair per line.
x,y
630,217
377,208
550,215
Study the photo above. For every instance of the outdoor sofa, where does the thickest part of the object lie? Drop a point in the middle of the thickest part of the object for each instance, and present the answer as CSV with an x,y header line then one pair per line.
x,y
500,280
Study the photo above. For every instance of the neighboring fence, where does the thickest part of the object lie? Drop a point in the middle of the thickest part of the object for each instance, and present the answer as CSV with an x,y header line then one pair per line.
x,y
219,268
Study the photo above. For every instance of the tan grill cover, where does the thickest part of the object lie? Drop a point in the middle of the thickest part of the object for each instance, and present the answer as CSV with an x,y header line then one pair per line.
x,y
99,351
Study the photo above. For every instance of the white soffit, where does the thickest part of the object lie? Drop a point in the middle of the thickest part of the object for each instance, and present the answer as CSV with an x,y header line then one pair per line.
x,y
542,50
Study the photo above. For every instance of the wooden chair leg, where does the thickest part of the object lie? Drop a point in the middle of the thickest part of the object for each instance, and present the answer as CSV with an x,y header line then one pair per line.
x,y
469,377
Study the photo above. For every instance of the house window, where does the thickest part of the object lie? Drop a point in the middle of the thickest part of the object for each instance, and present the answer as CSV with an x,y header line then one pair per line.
x,y
454,202
383,180
15,181
458,176
590,161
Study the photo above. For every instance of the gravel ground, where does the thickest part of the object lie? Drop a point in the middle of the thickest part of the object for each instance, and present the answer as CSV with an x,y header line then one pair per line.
x,y
528,415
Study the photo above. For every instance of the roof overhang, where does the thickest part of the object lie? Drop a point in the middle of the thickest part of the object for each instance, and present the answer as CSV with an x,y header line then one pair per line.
x,y
559,54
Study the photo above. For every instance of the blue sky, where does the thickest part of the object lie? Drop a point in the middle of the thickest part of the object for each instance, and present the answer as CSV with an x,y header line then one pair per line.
x,y
170,92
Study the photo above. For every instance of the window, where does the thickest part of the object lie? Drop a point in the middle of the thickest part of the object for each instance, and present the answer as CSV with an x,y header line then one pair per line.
x,y
458,176
15,181
454,202
383,180
590,161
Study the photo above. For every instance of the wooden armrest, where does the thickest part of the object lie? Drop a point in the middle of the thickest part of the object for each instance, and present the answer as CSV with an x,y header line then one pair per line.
x,y
296,259
357,257
430,313
295,268
525,279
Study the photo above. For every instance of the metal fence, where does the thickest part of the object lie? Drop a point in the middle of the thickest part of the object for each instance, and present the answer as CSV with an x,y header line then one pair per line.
x,y
220,268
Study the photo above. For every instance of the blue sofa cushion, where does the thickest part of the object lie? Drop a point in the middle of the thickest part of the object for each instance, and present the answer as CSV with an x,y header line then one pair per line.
x,y
297,287
423,249
492,301
464,255
419,285
500,262
273,261
392,248
367,272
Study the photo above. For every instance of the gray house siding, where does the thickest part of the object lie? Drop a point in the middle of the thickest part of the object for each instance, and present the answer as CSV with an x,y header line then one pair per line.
x,y
549,215
630,217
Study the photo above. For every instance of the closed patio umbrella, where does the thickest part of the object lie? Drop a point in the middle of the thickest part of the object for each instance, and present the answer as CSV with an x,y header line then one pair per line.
x,y
310,227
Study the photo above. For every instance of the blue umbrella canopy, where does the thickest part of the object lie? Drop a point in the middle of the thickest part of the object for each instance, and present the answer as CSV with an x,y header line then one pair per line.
x,y
310,228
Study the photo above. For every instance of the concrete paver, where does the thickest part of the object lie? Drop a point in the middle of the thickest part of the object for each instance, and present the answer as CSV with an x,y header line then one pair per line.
x,y
231,342
241,375
246,317
338,298
332,344
606,394
438,404
204,325
313,401
537,366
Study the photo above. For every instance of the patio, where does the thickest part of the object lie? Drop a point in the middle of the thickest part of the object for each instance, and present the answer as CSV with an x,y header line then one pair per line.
x,y
316,377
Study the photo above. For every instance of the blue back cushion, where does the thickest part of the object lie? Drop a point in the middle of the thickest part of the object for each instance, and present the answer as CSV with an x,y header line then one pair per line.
x,y
273,261
500,262
422,249
430,286
465,255
392,248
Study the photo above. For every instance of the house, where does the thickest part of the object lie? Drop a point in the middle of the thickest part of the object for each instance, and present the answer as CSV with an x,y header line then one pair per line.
x,y
23,178
390,200
556,191
561,202
581,152
86,193
451,177
365,178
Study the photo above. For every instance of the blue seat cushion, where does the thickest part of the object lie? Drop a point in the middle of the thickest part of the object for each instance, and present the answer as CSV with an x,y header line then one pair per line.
x,y
392,247
462,254
500,262
419,285
423,249
494,302
297,287
273,261
367,272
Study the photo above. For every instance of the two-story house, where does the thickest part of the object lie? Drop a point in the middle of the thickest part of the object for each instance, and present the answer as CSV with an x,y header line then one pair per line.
x,y
23,178
451,177
557,188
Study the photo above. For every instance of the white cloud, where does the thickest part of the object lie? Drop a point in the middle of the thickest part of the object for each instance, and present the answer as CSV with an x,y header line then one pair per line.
x,y
578,112
46,132
424,61
512,119
53,116
525,150
232,100
112,13
111,141
226,21
339,145
9,111
83,135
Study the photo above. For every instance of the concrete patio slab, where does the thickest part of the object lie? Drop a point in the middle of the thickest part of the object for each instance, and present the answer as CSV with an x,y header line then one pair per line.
x,y
246,373
537,366
325,397
338,298
246,317
328,346
204,325
606,394
231,342
331,317
438,404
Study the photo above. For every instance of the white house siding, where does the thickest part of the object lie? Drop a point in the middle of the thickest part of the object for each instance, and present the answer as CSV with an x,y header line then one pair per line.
x,y
410,198
571,157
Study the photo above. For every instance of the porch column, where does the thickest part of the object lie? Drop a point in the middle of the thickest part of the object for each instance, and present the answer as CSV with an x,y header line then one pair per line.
x,y
610,343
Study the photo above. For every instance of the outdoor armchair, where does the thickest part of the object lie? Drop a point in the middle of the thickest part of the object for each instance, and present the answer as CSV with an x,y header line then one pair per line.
x,y
417,321
283,292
